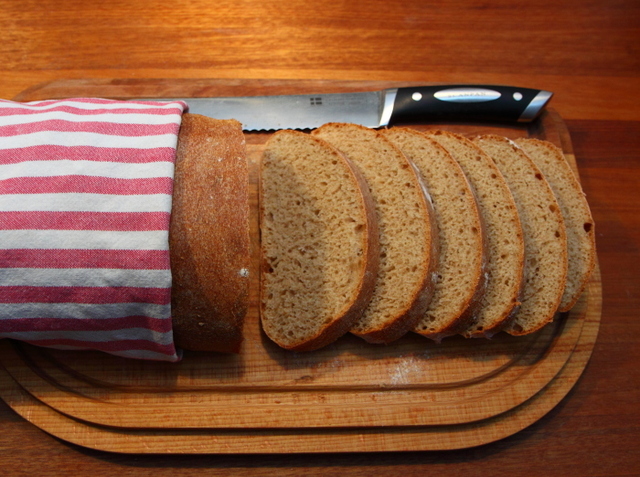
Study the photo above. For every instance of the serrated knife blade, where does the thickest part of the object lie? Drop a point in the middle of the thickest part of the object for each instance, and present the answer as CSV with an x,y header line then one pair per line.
x,y
377,108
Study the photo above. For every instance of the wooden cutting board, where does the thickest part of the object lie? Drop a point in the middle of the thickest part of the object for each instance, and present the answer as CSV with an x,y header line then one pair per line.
x,y
310,440
410,391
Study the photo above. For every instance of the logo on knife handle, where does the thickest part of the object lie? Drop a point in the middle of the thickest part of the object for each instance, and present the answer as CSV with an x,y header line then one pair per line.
x,y
467,95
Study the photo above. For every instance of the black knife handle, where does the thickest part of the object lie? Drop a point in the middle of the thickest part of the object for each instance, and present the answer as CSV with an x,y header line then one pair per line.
x,y
468,103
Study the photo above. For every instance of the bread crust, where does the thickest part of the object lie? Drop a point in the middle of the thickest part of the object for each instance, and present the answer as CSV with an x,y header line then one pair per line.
x,y
209,235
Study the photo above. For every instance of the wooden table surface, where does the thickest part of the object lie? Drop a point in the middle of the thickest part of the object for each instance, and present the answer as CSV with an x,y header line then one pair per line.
x,y
585,51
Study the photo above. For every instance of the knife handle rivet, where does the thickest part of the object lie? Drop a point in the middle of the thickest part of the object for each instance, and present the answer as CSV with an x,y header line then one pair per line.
x,y
517,96
416,96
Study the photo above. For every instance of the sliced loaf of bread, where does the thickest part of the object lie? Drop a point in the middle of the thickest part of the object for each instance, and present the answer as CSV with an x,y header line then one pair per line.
x,y
504,246
319,242
404,284
460,259
544,234
581,246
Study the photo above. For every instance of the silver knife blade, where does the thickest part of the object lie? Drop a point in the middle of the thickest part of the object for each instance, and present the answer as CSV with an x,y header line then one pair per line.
x,y
296,111
376,109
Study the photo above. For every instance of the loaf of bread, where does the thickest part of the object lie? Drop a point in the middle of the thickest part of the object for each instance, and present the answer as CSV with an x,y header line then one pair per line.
x,y
504,246
209,235
460,260
407,259
544,235
374,233
319,242
581,246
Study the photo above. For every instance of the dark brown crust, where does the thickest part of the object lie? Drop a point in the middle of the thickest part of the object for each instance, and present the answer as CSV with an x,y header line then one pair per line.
x,y
347,318
209,235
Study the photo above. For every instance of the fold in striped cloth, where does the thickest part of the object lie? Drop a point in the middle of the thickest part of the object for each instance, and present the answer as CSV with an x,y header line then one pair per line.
x,y
85,203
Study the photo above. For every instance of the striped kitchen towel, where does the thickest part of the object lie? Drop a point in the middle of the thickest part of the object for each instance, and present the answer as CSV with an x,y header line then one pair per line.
x,y
85,203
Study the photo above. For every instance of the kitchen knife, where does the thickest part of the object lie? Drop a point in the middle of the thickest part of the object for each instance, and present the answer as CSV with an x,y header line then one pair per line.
x,y
378,108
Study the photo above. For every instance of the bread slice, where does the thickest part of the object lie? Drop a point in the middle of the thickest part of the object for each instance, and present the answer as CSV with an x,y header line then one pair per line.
x,y
404,285
319,242
544,234
460,259
209,235
581,246
504,246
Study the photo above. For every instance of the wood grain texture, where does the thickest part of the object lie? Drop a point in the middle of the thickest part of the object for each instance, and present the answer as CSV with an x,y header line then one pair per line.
x,y
586,52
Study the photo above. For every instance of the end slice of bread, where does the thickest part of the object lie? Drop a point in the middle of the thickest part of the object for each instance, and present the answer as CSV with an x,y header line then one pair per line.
x,y
544,234
504,246
209,235
319,242
581,244
404,285
458,274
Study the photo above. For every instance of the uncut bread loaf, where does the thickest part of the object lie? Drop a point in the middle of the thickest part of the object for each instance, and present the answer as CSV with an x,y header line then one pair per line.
x,y
319,242
460,259
405,281
544,234
581,246
504,245
209,235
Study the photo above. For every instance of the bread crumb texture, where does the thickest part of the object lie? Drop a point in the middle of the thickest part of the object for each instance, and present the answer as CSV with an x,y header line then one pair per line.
x,y
313,234
581,244
503,245
470,236
404,227
544,235
458,271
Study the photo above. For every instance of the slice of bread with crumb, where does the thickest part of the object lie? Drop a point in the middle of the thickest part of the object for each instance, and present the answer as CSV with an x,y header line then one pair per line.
x,y
581,243
319,242
460,258
544,234
404,285
504,246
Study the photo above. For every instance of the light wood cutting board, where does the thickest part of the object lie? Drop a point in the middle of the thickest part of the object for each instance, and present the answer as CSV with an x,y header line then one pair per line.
x,y
410,391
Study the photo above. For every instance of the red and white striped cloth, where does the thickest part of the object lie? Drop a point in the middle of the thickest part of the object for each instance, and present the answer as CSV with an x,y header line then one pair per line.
x,y
85,203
